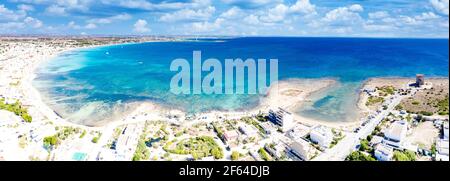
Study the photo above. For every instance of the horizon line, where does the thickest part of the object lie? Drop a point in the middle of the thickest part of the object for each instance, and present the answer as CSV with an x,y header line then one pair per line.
x,y
209,36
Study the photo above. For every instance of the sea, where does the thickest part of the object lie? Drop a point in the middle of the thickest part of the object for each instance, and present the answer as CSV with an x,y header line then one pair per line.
x,y
88,86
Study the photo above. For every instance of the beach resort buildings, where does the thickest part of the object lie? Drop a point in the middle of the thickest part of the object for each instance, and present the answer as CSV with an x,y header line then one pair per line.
x,y
322,136
396,134
248,130
276,149
282,118
442,145
266,127
445,130
301,149
384,152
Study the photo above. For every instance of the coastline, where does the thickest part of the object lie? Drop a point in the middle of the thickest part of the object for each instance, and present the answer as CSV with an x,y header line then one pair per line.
x,y
28,62
298,92
159,112
33,92
395,81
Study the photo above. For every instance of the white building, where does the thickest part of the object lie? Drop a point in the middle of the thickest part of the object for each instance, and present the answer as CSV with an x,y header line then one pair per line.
x,y
442,150
282,118
276,149
384,152
376,140
445,130
396,134
267,127
248,130
322,135
302,149
298,132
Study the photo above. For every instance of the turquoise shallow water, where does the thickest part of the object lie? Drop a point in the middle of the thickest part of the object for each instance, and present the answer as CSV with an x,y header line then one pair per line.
x,y
90,85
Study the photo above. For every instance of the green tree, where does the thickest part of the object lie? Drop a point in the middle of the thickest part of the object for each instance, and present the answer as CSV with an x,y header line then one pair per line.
x,y
359,156
404,156
264,155
235,155
411,155
95,140
365,146
217,153
83,134
50,141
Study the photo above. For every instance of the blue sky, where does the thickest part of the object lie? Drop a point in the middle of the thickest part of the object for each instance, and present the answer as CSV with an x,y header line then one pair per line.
x,y
350,18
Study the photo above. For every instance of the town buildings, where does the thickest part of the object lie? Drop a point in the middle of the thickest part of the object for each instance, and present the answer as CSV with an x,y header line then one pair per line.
x,y
322,136
282,118
384,152
396,134
301,149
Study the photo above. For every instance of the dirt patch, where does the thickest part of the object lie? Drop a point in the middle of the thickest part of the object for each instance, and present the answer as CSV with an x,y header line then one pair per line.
x,y
424,135
429,101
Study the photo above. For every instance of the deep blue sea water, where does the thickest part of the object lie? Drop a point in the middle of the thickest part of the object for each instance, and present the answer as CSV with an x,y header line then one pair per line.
x,y
88,85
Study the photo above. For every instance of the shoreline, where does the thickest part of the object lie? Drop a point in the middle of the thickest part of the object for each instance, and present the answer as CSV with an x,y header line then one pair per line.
x,y
395,81
162,112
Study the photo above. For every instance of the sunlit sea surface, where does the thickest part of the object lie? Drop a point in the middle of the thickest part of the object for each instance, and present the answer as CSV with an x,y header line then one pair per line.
x,y
91,85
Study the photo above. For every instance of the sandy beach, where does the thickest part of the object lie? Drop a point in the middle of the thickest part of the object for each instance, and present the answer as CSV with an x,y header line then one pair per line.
x,y
288,94
21,58
19,64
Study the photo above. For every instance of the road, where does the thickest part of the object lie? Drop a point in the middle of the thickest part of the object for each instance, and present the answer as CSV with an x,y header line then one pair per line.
x,y
340,151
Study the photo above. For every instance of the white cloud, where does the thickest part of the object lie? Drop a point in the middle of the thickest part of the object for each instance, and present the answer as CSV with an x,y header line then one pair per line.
x,y
356,8
56,10
342,20
440,6
344,14
276,14
377,27
90,26
11,26
80,5
427,16
25,7
15,26
199,27
73,25
56,7
111,19
281,11
251,3
378,15
233,13
35,23
263,17
141,26
189,15
164,5
303,6
409,20
252,20
10,15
